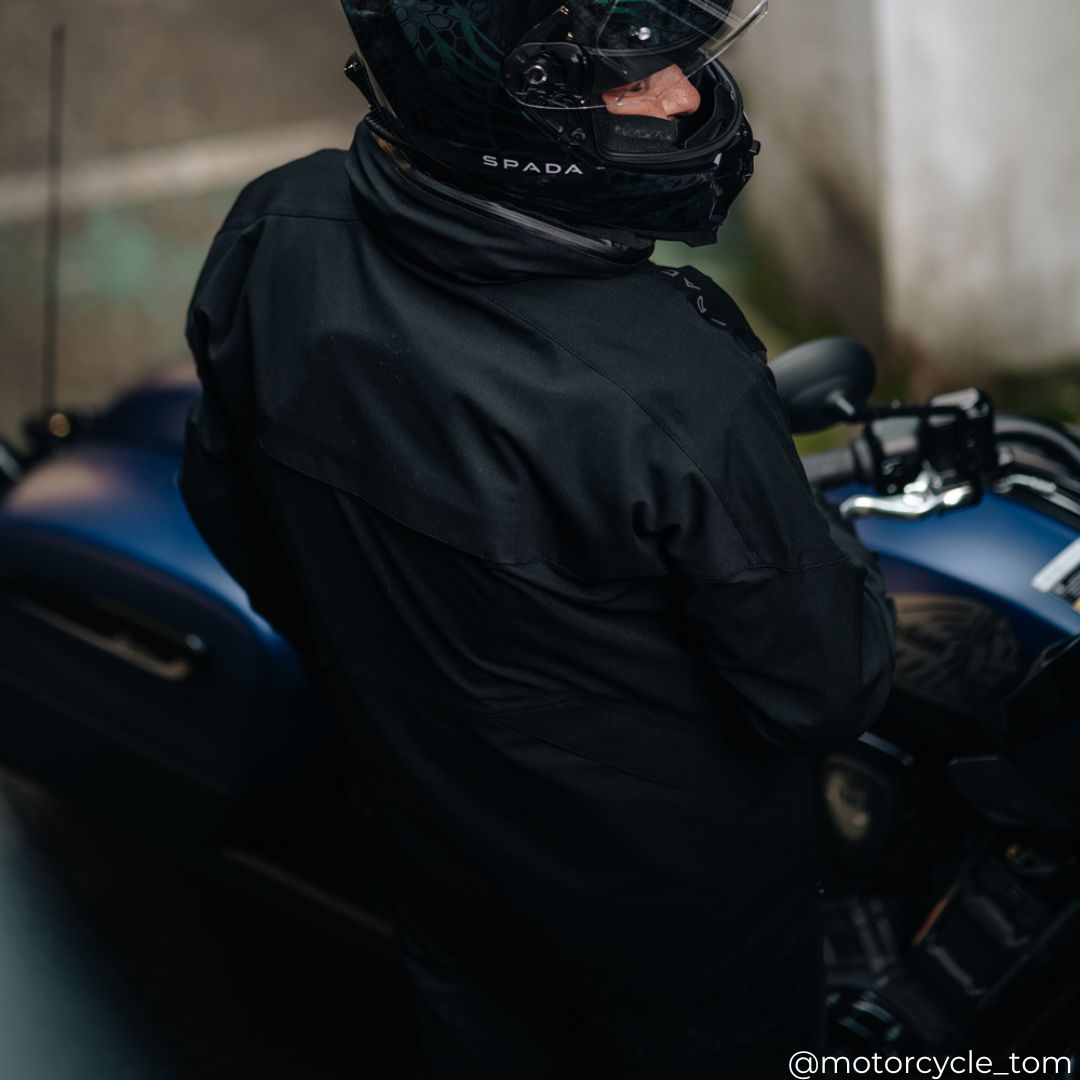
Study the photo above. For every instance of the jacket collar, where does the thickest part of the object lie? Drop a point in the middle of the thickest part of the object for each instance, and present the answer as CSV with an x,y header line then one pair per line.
x,y
429,223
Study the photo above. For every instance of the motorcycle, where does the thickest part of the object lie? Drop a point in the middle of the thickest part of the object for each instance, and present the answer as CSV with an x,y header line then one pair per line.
x,y
952,828
137,683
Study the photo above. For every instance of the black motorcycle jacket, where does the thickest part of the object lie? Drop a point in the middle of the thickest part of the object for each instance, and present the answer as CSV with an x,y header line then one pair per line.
x,y
531,506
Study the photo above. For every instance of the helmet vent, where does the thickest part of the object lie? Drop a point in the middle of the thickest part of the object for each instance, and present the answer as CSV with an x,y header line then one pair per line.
x,y
636,134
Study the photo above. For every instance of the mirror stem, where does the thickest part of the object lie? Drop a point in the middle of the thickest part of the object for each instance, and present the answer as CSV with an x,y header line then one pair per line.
x,y
845,409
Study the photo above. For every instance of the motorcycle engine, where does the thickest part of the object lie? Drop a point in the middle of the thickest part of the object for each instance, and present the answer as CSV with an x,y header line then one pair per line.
x,y
867,797
992,955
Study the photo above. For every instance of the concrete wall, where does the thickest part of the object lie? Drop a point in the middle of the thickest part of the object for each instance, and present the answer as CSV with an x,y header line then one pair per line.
x,y
810,76
922,169
981,119
171,107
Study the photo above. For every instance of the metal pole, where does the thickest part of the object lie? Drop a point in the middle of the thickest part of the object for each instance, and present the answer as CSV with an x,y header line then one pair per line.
x,y
53,221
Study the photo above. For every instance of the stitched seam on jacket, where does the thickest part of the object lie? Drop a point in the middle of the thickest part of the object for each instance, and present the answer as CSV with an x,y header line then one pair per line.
x,y
506,717
285,212
771,566
311,475
375,508
411,687
744,799
675,442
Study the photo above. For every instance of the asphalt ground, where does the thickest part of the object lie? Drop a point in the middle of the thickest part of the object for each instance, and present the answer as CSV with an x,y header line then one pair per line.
x,y
117,963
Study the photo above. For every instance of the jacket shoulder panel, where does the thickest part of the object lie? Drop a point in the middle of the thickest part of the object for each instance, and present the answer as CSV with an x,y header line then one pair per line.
x,y
645,338
314,187
707,397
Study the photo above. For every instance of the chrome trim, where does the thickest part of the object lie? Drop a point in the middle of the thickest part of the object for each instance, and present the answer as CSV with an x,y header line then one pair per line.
x,y
10,469
1040,486
120,645
921,499
291,882
889,749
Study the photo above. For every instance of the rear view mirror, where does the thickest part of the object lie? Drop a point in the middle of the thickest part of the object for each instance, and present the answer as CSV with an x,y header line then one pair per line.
x,y
825,382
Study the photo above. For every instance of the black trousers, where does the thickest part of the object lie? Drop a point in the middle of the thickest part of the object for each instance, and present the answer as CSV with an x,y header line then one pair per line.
x,y
477,1023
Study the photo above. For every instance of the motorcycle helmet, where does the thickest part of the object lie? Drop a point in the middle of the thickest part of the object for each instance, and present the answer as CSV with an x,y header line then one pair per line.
x,y
540,106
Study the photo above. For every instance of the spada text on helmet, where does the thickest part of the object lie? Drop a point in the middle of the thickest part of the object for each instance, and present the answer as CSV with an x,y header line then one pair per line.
x,y
548,168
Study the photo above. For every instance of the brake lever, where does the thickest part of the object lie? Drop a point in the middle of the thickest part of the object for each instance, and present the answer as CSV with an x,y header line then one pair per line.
x,y
919,500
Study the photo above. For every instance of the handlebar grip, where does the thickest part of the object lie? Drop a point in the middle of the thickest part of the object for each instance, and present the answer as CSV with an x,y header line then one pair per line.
x,y
832,468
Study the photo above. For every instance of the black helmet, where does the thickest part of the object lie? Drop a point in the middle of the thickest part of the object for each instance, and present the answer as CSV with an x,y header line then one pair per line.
x,y
520,103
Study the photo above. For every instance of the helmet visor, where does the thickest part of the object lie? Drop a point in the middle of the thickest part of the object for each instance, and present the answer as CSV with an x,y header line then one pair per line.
x,y
627,54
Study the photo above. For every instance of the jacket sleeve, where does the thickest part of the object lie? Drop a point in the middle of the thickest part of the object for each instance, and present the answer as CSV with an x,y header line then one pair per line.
x,y
218,479
789,608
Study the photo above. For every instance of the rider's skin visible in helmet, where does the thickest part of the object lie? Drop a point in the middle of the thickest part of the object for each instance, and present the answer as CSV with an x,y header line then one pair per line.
x,y
663,95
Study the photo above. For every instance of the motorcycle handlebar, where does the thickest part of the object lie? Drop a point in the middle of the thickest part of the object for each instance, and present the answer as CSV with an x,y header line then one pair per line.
x,y
857,463
832,468
1049,438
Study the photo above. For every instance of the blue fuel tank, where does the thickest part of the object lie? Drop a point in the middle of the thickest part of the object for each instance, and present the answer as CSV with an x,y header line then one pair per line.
x,y
128,651
978,596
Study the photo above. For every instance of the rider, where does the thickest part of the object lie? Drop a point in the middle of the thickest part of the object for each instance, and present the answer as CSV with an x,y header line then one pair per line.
x,y
530,506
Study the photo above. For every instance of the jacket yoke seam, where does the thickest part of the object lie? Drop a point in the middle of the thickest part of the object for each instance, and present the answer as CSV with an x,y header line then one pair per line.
x,y
431,535
705,578
287,212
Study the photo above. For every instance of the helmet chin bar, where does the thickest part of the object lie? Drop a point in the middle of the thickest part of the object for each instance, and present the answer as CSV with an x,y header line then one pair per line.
x,y
636,137
656,205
